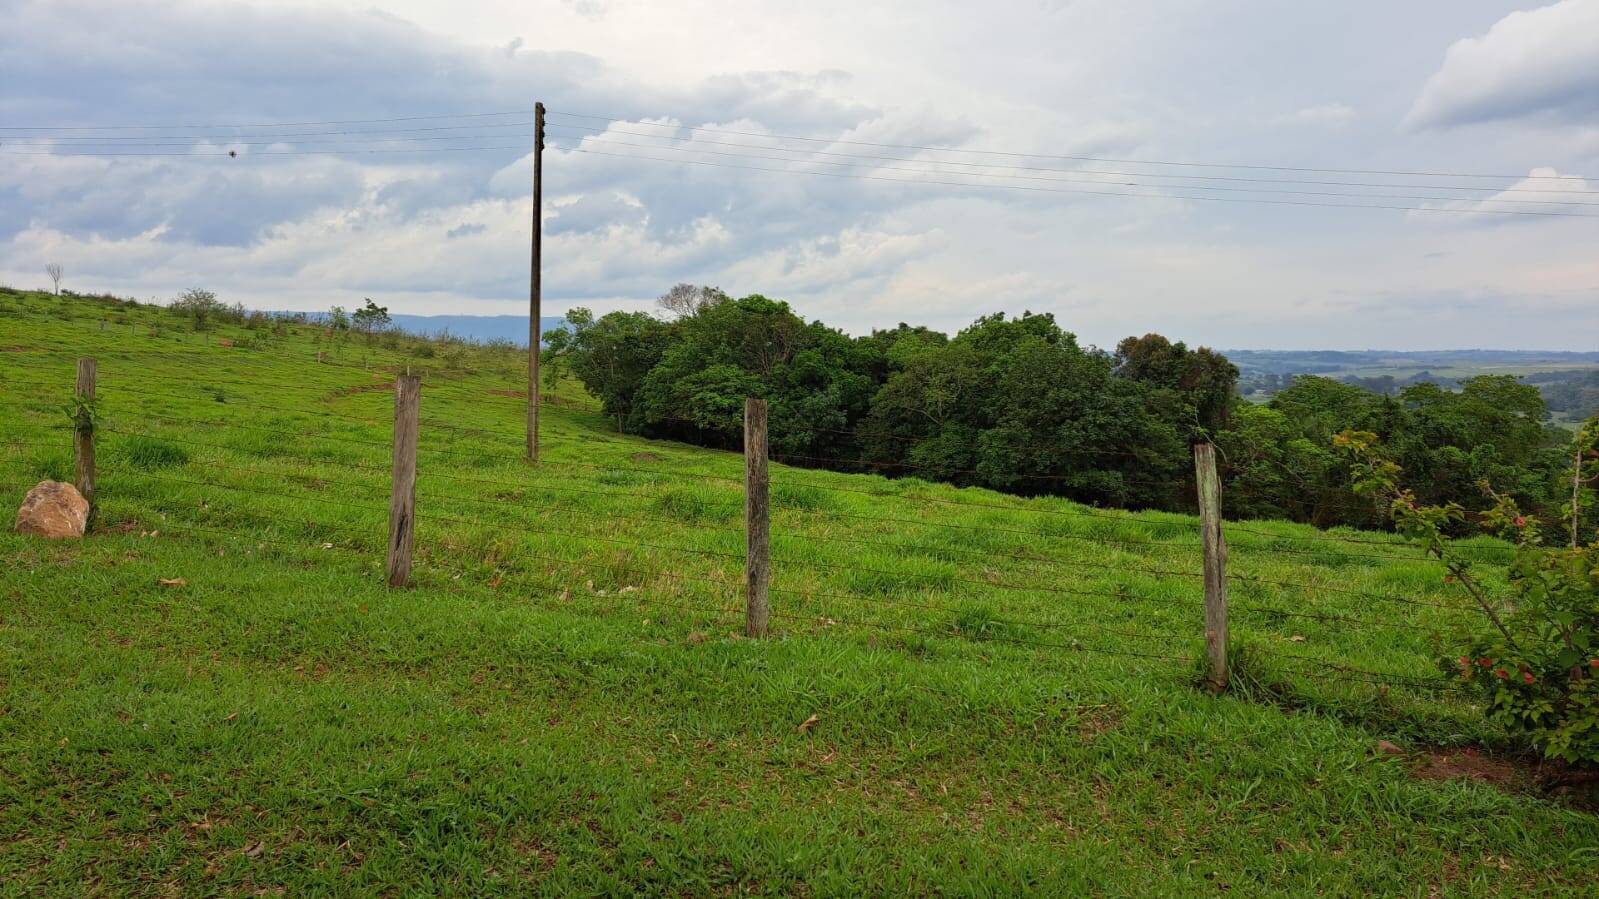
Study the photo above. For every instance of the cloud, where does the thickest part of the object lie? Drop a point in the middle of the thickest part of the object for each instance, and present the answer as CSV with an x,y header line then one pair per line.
x,y
1534,63
447,230
1544,191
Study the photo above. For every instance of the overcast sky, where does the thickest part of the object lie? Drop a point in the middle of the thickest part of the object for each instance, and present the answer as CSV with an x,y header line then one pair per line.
x,y
1458,86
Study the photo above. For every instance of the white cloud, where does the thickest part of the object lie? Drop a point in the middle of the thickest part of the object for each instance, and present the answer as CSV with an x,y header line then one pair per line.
x,y
1545,191
1534,62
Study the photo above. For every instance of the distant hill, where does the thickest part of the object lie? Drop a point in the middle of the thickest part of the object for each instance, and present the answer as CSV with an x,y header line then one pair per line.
x,y
476,327
1567,380
1448,363
511,328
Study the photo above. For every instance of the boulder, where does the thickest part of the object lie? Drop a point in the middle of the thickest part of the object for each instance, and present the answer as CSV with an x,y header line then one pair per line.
x,y
54,510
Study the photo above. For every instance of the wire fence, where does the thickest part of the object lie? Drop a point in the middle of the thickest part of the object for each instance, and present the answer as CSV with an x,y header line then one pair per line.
x,y
898,560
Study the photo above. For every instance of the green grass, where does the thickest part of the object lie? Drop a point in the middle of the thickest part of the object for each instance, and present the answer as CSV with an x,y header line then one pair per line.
x,y
560,704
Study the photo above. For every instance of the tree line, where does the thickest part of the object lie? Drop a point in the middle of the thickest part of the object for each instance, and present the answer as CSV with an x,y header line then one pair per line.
x,y
1019,404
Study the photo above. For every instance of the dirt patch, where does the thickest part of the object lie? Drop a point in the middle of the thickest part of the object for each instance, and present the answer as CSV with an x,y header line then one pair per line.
x,y
18,349
1469,764
1555,780
645,457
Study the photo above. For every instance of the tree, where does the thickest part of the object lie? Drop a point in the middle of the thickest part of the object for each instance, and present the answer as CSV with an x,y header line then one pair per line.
x,y
612,355
54,270
199,305
338,319
1198,386
1017,404
688,299
816,380
371,317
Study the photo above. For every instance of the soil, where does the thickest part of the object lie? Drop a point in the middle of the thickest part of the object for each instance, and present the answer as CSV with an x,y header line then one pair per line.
x,y
1471,764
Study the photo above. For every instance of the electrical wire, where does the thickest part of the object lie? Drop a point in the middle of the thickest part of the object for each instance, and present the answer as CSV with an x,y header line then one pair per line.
x,y
1224,165
1063,190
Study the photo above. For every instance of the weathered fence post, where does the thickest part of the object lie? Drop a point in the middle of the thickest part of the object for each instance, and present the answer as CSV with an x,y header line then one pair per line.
x,y
757,520
83,432
402,498
1215,544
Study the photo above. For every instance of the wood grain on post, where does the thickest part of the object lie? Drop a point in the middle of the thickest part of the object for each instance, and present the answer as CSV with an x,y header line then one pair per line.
x,y
402,498
83,433
757,521
1215,546
535,286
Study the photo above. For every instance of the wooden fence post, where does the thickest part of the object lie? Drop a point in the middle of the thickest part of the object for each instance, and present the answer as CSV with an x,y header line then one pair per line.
x,y
83,432
1215,544
757,521
402,496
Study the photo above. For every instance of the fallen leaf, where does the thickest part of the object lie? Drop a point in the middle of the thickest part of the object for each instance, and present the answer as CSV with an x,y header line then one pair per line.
x,y
809,723
254,850
696,637
1387,748
1296,638
231,717
173,582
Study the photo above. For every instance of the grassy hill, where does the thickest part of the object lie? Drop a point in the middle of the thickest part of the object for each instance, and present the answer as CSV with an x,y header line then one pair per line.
x,y
216,693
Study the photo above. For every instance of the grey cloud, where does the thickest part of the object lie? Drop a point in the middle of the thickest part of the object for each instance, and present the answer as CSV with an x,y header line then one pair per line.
x,y
465,230
296,65
1534,63
212,203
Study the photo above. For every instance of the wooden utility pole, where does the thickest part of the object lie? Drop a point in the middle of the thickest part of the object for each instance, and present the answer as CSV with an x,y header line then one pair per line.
x,y
83,432
757,521
402,492
1215,546
535,287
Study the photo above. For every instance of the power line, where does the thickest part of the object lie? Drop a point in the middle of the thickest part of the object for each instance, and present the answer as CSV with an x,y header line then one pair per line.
x,y
769,136
1107,193
1068,179
421,118
223,154
589,134
362,136
938,149
223,144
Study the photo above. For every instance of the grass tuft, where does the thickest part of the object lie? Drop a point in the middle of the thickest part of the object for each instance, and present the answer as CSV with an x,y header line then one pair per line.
x,y
151,454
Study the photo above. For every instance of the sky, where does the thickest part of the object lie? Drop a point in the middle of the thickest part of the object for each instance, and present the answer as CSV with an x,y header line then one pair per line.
x,y
425,226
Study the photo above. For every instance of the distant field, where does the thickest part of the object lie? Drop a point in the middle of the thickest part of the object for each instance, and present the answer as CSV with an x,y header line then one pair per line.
x,y
1003,689
1444,367
1452,363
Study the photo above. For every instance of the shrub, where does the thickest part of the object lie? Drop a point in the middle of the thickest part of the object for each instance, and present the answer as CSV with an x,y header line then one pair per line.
x,y
1535,660
198,305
